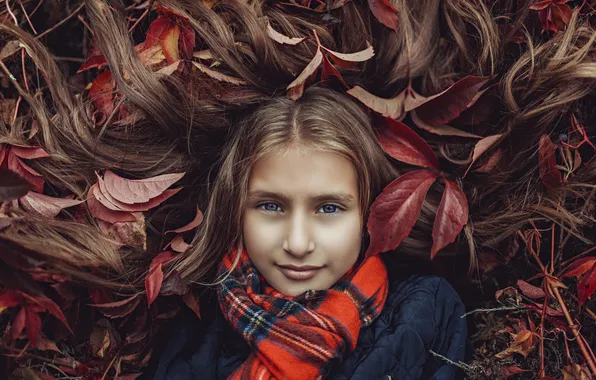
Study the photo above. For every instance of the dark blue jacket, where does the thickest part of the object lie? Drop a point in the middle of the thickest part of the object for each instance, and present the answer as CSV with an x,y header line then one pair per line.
x,y
422,314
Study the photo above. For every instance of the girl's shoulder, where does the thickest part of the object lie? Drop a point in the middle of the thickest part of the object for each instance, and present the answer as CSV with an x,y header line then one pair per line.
x,y
423,313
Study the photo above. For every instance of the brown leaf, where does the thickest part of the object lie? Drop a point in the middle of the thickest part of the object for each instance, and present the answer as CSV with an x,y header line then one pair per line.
x,y
347,60
451,217
12,185
281,38
44,344
524,343
395,107
168,70
132,234
395,211
218,76
9,49
576,372
550,175
138,191
151,56
169,43
119,309
482,146
405,145
45,205
384,12
529,290
193,224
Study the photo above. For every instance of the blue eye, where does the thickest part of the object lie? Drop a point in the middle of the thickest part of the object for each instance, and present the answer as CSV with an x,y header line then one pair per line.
x,y
271,207
330,209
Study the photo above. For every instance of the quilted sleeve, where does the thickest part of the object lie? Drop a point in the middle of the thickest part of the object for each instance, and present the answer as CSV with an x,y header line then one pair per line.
x,y
422,314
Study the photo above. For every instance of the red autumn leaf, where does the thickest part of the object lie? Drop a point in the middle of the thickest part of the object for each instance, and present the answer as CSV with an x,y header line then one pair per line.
x,y
156,30
102,91
579,267
218,76
132,234
95,58
193,223
587,286
346,60
187,41
28,152
169,43
395,107
491,163
18,324
296,88
44,344
10,298
178,244
328,70
553,14
550,175
442,108
282,39
140,190
441,130
49,305
154,279
98,210
104,197
511,370
384,12
395,211
537,307
45,205
530,290
18,166
12,185
482,146
191,301
153,283
116,304
405,145
451,217
33,325
2,154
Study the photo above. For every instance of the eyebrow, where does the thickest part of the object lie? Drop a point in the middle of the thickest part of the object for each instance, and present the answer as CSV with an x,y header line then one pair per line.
x,y
338,196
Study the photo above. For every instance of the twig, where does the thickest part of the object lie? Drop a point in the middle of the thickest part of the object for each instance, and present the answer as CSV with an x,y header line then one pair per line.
x,y
61,22
504,308
16,22
16,110
138,20
36,8
109,366
82,20
70,59
572,326
461,365
27,17
12,77
25,80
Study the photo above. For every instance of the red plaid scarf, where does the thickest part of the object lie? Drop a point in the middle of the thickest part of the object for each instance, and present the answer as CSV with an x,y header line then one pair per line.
x,y
299,337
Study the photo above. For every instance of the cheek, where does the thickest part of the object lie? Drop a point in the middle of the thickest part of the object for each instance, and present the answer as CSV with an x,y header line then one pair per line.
x,y
343,242
258,237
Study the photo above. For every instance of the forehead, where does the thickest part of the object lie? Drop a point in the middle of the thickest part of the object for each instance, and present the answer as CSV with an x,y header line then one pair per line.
x,y
304,172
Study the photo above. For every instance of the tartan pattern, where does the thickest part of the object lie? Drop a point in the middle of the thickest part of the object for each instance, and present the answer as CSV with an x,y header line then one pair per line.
x,y
298,337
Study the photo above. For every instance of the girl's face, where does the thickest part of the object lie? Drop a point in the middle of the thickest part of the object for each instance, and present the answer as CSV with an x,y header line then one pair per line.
x,y
302,223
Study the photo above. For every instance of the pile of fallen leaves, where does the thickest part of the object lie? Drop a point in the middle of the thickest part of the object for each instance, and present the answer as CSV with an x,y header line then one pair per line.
x,y
535,322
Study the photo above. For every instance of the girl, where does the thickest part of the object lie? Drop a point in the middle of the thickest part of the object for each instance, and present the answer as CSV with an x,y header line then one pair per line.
x,y
296,298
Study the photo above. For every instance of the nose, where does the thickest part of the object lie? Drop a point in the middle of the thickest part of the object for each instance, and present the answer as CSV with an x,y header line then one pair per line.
x,y
298,241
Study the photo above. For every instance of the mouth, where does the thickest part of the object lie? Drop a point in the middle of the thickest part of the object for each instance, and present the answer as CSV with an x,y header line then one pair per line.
x,y
299,273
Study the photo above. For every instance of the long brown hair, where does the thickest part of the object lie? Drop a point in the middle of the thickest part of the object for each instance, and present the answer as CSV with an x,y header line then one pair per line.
x,y
540,83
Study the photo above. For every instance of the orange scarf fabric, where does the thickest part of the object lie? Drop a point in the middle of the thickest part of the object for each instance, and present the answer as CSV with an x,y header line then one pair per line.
x,y
299,337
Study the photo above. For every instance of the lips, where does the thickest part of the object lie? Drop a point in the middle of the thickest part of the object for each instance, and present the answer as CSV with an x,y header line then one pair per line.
x,y
299,273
